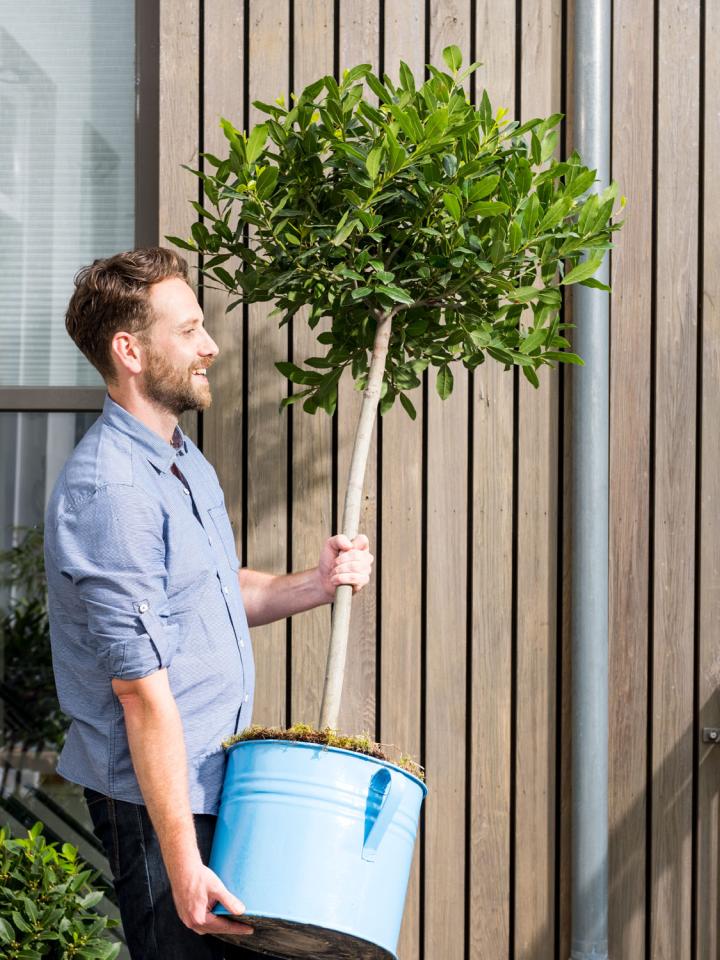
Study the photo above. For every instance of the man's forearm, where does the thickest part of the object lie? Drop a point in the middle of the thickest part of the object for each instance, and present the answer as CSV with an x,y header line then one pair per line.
x,y
268,597
155,736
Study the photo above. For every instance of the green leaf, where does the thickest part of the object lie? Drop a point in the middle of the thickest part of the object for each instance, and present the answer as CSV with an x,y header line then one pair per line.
x,y
395,293
595,284
373,161
584,269
450,164
549,145
378,88
563,357
361,292
256,142
535,338
296,375
293,398
266,182
487,208
7,935
408,406
581,183
183,244
587,212
437,123
19,922
452,57
92,899
452,205
531,376
354,74
523,294
556,212
483,188
406,77
444,382
342,235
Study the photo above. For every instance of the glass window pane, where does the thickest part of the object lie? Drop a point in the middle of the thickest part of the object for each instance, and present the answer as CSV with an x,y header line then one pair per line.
x,y
67,170
33,449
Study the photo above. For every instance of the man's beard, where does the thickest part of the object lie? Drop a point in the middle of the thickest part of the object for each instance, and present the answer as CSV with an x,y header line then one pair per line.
x,y
172,389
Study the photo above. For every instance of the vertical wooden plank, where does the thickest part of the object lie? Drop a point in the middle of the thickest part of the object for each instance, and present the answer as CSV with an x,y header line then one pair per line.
x,y
179,126
492,573
675,410
312,435
708,870
267,428
446,627
401,626
632,153
223,97
359,43
537,568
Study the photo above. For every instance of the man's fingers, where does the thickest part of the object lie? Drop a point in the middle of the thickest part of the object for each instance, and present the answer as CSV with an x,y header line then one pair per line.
x,y
361,542
340,542
217,925
232,904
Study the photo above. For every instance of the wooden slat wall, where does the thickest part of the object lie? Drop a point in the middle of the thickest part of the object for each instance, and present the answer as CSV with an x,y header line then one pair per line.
x,y
312,436
446,618
224,57
359,42
491,702
632,151
179,140
673,563
460,646
267,452
707,880
401,556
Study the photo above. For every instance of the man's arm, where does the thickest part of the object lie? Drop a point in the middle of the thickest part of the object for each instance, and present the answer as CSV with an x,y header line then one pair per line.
x,y
268,597
157,747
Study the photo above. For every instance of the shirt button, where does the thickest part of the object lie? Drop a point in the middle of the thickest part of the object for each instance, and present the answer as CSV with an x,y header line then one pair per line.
x,y
242,643
210,540
186,491
144,607
225,590
247,697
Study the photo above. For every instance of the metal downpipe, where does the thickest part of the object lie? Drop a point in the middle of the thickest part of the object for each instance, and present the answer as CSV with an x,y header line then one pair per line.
x,y
590,459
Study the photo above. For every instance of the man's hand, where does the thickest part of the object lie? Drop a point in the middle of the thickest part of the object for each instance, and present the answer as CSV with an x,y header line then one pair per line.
x,y
195,892
342,561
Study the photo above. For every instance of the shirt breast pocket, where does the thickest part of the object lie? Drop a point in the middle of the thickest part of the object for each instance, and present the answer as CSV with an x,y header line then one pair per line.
x,y
221,521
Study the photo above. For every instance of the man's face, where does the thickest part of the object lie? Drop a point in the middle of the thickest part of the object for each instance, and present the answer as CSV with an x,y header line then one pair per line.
x,y
176,350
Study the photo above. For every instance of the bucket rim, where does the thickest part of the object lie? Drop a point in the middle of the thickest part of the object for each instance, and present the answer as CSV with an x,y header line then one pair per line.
x,y
325,747
220,911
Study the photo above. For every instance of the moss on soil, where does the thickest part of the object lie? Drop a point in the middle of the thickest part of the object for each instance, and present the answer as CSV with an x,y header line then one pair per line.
x,y
302,733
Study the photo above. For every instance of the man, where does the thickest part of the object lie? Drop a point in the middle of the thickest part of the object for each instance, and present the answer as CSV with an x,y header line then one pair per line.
x,y
149,611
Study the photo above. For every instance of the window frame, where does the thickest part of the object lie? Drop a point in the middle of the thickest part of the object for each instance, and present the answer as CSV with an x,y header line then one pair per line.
x,y
147,114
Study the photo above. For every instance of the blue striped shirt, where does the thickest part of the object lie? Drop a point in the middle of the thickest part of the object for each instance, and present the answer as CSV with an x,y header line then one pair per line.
x,y
142,575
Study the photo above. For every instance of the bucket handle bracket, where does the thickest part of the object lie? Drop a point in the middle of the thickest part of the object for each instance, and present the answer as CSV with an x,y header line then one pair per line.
x,y
391,790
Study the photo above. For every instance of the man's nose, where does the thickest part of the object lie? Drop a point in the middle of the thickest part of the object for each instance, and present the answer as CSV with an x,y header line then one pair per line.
x,y
210,347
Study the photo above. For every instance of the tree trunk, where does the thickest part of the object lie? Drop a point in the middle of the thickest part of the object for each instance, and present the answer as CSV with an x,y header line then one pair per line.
x,y
335,670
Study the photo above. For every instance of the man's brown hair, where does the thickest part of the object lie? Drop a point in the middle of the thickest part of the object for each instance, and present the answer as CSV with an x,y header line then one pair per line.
x,y
112,295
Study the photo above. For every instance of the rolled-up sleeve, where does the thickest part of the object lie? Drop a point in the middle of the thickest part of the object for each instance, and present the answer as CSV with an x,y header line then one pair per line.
x,y
113,549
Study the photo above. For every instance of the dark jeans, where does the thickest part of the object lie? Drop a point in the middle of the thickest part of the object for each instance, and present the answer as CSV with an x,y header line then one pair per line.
x,y
151,925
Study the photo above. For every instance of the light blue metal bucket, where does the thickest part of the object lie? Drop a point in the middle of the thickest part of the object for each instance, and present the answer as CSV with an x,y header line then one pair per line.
x,y
317,842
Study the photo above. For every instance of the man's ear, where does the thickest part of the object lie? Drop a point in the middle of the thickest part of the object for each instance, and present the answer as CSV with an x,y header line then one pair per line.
x,y
126,352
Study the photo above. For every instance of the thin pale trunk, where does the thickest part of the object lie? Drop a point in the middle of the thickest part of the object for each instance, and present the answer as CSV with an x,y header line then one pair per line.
x,y
335,670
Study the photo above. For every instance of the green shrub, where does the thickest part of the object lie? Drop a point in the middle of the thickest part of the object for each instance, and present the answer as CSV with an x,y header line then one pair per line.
x,y
32,715
47,902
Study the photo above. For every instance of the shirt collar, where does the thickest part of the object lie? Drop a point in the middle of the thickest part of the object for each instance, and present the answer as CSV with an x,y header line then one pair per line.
x,y
158,451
